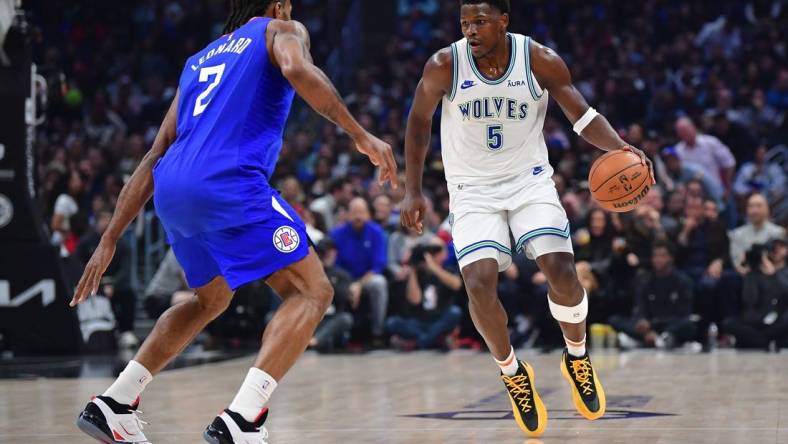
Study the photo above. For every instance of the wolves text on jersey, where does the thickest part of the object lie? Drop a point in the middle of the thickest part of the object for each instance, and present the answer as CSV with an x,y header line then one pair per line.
x,y
493,108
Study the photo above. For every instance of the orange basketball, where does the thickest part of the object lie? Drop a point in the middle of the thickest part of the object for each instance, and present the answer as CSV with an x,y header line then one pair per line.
x,y
619,181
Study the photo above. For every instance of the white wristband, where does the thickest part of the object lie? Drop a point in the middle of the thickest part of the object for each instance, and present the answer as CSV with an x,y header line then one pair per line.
x,y
583,122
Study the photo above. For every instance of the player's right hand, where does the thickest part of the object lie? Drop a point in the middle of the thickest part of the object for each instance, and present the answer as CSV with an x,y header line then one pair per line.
x,y
91,277
381,155
412,211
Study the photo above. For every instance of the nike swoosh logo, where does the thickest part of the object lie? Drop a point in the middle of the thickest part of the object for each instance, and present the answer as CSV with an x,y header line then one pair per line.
x,y
124,429
467,84
194,68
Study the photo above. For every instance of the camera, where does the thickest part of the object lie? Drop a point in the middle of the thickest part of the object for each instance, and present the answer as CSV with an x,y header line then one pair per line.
x,y
754,257
417,255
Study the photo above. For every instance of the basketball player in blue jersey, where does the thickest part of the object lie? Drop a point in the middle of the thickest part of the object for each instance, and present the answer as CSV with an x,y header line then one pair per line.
x,y
494,88
208,173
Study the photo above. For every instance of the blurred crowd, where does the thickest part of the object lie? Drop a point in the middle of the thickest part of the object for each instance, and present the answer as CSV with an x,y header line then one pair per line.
x,y
701,87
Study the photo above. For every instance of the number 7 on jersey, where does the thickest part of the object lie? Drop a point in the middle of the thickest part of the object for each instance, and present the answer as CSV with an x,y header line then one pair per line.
x,y
216,71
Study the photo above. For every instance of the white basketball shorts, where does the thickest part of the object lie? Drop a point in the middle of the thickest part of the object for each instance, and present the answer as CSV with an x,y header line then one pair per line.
x,y
482,216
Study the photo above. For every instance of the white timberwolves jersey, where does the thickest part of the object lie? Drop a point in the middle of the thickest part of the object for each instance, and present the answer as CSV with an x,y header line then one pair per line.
x,y
492,130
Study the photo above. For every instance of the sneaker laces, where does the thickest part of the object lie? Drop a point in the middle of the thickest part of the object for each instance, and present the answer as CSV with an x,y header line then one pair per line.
x,y
136,415
582,371
519,388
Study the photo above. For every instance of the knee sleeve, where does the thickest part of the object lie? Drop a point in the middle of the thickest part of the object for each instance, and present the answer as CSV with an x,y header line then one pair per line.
x,y
570,315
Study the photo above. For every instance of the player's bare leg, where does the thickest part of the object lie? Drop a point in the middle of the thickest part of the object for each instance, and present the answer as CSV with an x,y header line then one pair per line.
x,y
179,325
306,294
487,313
564,289
489,317
569,306
112,416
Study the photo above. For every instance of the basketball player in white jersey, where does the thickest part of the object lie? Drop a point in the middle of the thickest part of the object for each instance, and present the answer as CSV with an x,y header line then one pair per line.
x,y
494,87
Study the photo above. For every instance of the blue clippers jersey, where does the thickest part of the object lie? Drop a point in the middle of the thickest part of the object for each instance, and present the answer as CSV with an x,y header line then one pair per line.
x,y
232,111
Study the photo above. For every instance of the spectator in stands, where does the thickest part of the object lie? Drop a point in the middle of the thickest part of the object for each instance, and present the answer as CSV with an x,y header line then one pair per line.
x,y
764,315
778,254
292,193
594,242
651,148
400,245
778,95
66,206
759,176
759,115
674,209
340,191
682,172
758,230
167,287
703,240
116,282
384,213
706,152
361,248
313,229
102,123
641,232
733,135
430,312
703,254
663,305
334,330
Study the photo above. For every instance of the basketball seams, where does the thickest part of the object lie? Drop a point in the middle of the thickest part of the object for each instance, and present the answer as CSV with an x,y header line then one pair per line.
x,y
602,160
599,161
612,176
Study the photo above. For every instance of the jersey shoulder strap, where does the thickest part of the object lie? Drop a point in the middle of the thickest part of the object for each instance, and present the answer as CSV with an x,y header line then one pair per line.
x,y
460,65
533,85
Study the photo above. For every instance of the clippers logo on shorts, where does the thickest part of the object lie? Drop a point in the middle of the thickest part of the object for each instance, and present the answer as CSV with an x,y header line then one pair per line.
x,y
286,239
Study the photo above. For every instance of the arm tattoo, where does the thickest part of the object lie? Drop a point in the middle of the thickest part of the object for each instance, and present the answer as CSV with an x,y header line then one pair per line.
x,y
332,108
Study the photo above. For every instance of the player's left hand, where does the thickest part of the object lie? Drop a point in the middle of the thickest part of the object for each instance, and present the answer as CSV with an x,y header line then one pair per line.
x,y
381,155
644,159
91,277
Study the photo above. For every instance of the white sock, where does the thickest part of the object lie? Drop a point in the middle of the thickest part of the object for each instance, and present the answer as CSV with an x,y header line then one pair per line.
x,y
576,349
509,365
254,393
130,383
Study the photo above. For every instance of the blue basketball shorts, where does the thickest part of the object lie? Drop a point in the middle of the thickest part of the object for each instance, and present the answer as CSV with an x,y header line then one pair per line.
x,y
245,253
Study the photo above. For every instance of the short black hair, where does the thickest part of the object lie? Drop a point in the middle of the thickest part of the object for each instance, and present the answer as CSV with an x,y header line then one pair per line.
x,y
663,244
501,5
324,246
241,11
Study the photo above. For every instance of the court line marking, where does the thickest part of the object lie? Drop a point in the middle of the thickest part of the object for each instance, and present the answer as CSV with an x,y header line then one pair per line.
x,y
444,429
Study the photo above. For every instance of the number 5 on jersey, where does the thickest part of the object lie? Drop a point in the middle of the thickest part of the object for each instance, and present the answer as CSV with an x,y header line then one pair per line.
x,y
494,136
205,74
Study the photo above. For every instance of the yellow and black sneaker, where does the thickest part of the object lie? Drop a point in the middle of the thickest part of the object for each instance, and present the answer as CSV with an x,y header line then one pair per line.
x,y
527,406
587,392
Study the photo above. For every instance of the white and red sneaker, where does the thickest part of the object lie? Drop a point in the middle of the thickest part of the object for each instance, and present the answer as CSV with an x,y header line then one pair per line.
x,y
231,428
112,423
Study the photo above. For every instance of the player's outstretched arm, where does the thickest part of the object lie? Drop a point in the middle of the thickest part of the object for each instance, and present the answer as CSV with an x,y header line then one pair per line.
x,y
434,84
133,196
552,74
289,49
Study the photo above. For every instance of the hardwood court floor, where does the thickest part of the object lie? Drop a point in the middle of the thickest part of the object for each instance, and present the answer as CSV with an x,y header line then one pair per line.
x,y
726,397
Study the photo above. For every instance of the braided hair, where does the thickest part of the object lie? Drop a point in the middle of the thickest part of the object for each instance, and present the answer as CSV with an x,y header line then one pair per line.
x,y
243,10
